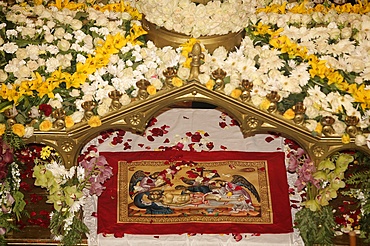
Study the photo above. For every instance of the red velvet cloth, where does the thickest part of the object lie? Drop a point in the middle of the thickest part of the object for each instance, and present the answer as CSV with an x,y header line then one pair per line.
x,y
282,221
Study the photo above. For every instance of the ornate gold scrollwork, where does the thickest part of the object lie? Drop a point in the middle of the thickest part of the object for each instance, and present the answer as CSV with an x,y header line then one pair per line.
x,y
351,122
219,76
327,125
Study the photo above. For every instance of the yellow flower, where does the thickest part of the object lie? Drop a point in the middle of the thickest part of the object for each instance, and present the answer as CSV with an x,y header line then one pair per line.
x,y
151,90
2,129
210,84
265,104
236,93
318,128
177,82
289,114
346,138
68,120
18,129
45,126
94,121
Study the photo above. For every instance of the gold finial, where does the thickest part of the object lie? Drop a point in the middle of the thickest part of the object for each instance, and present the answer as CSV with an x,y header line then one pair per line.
x,y
196,55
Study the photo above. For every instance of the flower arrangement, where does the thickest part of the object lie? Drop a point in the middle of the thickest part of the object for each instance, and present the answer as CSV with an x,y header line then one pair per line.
x,y
195,20
359,190
68,190
55,58
315,219
82,64
11,199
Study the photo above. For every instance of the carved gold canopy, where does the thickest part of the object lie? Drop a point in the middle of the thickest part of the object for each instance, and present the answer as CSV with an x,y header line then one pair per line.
x,y
135,116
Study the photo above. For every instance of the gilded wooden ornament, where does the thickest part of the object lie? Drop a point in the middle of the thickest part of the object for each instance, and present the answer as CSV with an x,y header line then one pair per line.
x,y
219,76
246,88
273,97
327,128
351,122
115,96
169,73
299,110
142,85
196,55
88,106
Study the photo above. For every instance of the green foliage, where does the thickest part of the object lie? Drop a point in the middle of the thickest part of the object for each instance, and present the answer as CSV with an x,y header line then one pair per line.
x,y
316,227
360,180
72,236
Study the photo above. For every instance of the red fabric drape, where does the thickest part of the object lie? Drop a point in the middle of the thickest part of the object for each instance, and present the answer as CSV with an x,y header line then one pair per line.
x,y
282,221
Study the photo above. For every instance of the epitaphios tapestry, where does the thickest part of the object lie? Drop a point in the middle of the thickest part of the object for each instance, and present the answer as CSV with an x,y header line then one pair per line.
x,y
172,192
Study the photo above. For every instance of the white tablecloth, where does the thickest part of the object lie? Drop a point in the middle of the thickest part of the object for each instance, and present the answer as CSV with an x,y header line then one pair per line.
x,y
204,130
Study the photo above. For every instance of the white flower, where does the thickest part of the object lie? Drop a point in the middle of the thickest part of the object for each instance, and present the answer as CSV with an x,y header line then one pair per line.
x,y
77,116
183,73
29,130
360,140
10,48
3,75
125,99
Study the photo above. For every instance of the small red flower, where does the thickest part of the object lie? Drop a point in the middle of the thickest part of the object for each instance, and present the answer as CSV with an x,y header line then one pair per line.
x,y
46,109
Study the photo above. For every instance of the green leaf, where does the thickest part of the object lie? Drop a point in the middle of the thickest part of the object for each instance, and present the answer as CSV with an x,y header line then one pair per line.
x,y
326,165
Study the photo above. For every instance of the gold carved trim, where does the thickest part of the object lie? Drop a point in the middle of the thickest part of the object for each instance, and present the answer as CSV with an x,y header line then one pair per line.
x,y
135,116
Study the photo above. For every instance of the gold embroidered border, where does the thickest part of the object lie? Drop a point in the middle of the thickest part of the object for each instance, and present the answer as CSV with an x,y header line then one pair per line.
x,y
126,169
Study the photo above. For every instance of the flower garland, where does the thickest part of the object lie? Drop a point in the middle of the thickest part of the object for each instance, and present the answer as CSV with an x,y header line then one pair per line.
x,y
189,18
68,190
11,199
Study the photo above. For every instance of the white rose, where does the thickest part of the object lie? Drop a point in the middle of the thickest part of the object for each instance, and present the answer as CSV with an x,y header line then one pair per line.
x,y
229,88
318,17
28,131
312,112
3,75
125,99
334,33
339,127
76,24
49,37
63,45
346,33
157,83
59,33
311,125
10,48
77,116
32,65
183,73
22,72
360,140
74,93
204,78
21,54
103,109
55,103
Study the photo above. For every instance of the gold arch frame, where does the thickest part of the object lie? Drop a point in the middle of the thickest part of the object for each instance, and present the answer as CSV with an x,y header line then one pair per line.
x,y
135,116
